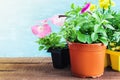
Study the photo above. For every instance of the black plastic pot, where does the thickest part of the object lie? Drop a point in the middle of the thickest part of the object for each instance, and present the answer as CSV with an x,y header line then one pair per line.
x,y
60,58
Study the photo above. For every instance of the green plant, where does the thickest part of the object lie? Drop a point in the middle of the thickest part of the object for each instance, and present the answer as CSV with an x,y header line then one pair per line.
x,y
86,27
114,35
52,41
46,38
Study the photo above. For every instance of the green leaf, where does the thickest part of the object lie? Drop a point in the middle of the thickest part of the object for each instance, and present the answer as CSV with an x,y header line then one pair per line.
x,y
60,45
96,17
94,36
104,22
88,39
81,37
108,16
109,26
41,47
78,9
72,6
116,36
104,40
96,27
102,31
81,21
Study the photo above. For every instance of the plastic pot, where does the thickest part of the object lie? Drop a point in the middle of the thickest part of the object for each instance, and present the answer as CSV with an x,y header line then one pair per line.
x,y
115,59
60,58
87,60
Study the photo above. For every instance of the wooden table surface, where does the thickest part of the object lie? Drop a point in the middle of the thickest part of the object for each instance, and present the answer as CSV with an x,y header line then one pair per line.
x,y
42,69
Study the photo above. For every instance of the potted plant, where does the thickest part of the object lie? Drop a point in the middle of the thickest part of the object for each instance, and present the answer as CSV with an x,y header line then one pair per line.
x,y
114,44
106,6
52,42
85,30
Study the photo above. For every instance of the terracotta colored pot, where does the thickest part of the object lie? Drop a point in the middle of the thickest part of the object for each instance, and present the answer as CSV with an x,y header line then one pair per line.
x,y
87,60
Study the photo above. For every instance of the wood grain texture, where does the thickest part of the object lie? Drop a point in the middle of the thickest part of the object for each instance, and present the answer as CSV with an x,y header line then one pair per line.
x,y
42,69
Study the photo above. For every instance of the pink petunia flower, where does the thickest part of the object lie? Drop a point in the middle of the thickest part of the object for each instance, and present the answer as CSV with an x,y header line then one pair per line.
x,y
56,20
44,21
85,8
41,31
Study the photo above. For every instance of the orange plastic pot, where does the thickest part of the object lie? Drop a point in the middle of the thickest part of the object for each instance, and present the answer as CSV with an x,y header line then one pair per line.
x,y
87,60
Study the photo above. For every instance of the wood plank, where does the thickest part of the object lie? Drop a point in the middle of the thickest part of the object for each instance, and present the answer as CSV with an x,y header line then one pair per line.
x,y
42,69
11,64
24,60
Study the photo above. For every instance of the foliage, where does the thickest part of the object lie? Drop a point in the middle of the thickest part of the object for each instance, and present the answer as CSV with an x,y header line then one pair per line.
x,y
48,39
51,41
88,24
114,35
88,27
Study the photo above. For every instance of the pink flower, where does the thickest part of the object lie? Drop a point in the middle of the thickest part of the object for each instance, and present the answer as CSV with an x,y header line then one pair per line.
x,y
41,31
85,8
44,21
56,20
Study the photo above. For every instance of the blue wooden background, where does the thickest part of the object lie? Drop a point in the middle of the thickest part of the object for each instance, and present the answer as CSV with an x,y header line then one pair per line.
x,y
16,19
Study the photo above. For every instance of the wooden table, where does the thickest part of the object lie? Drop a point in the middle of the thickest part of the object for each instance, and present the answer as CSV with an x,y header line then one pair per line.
x,y
42,69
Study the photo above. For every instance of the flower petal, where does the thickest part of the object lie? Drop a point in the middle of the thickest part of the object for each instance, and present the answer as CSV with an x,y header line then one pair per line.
x,y
44,21
85,8
92,7
56,20
41,31
34,29
46,30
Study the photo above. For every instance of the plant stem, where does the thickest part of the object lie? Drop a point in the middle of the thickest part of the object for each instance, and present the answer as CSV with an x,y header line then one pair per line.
x,y
62,16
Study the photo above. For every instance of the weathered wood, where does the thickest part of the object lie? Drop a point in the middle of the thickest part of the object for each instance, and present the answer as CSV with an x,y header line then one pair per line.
x,y
41,69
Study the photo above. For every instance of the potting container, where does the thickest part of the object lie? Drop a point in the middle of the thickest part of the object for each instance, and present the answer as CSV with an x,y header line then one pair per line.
x,y
87,60
115,59
60,58
107,60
